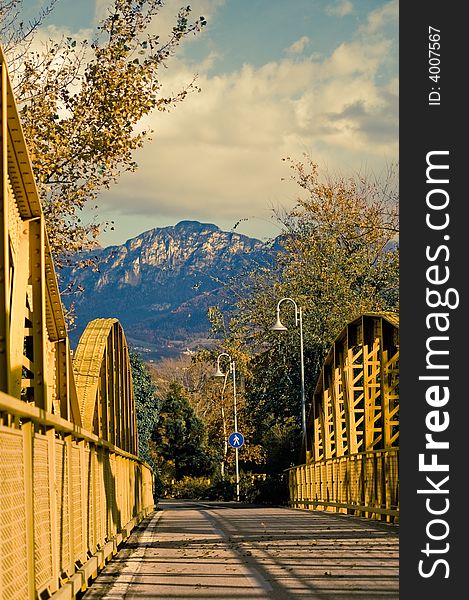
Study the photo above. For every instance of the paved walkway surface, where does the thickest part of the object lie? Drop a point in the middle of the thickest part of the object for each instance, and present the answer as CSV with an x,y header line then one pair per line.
x,y
197,550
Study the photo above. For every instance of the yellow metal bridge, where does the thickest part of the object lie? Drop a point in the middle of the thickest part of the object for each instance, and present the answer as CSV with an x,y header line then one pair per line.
x,y
352,445
71,485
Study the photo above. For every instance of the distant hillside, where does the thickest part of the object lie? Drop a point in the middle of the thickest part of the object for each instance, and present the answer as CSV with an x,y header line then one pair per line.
x,y
161,283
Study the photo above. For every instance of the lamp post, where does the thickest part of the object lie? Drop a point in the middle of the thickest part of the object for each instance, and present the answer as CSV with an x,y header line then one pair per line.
x,y
279,326
219,373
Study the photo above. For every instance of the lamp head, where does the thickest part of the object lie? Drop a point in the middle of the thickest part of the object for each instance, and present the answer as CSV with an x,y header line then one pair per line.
x,y
218,372
278,325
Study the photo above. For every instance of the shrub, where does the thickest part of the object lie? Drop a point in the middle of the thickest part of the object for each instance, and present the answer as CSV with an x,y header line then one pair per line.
x,y
190,488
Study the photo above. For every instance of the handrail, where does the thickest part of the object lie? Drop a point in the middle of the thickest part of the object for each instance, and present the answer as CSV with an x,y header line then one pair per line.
x,y
363,484
68,500
11,405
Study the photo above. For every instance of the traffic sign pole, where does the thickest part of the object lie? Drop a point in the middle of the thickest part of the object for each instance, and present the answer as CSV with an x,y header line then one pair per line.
x,y
238,439
236,429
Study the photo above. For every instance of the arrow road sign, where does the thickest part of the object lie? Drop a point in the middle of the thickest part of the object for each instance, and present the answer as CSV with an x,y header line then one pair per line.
x,y
236,440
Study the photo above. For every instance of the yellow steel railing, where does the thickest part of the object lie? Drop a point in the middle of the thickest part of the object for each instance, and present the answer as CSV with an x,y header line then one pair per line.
x,y
68,499
71,487
364,484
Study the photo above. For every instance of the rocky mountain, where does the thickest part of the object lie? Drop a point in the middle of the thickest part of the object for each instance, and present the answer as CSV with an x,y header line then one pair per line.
x,y
161,283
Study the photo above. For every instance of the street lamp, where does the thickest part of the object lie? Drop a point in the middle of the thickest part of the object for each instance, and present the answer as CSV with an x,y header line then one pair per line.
x,y
279,326
219,373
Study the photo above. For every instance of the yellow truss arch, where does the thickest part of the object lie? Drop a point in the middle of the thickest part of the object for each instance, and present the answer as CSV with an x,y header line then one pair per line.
x,y
104,384
352,445
355,406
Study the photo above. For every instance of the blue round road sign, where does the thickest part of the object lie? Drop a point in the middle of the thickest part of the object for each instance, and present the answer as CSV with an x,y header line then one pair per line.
x,y
236,440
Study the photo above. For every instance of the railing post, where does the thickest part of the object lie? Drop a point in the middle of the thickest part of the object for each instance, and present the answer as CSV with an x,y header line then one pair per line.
x,y
92,494
84,499
69,492
28,433
50,434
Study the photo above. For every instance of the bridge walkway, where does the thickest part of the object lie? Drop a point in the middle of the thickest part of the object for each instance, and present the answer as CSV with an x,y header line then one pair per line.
x,y
72,488
208,550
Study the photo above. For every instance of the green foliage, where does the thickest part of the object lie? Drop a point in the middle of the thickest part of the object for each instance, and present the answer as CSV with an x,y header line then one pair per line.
x,y
200,488
146,405
280,437
81,104
338,258
254,488
221,489
268,488
179,436
190,488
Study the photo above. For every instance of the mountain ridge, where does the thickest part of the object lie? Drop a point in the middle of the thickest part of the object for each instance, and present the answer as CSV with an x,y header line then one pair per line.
x,y
160,284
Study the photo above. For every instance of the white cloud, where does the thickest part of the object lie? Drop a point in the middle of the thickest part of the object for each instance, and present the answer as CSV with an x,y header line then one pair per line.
x,y
298,46
341,8
380,17
217,156
42,42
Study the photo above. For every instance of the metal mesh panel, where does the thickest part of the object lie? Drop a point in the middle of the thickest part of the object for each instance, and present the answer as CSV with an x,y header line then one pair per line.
x,y
42,523
317,482
100,511
77,514
148,489
392,473
117,500
108,481
369,480
365,484
62,499
89,501
302,483
111,493
334,473
120,500
343,480
355,479
380,477
348,479
329,483
140,491
130,495
13,543
146,498
323,480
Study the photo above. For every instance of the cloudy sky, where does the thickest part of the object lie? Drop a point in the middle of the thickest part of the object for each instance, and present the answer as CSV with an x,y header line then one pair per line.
x,y
278,79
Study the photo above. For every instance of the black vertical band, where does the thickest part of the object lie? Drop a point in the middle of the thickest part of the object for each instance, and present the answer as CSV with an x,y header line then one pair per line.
x,y
434,249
